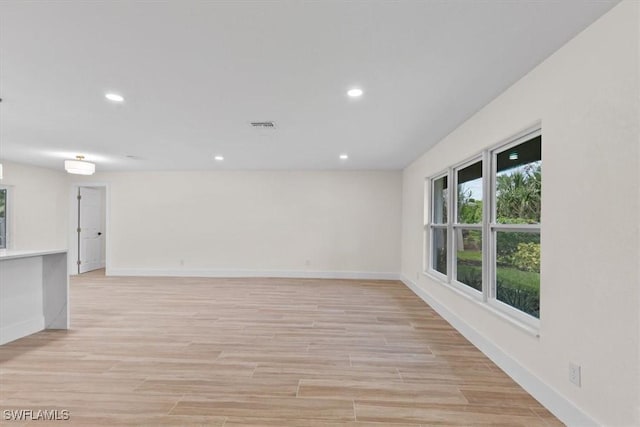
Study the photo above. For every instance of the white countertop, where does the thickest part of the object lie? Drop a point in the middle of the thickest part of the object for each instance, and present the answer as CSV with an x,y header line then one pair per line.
x,y
16,253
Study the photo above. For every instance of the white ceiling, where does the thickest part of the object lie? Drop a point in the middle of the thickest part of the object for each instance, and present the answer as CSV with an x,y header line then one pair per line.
x,y
194,74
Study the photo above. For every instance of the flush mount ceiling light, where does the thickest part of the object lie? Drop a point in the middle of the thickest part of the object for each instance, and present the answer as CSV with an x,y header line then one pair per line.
x,y
219,158
79,166
114,97
344,156
355,92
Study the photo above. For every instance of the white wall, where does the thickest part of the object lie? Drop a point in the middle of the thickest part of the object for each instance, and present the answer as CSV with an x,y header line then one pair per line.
x,y
254,223
38,206
587,97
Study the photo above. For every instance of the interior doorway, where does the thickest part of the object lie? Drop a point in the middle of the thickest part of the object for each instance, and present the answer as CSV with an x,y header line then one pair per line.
x,y
91,228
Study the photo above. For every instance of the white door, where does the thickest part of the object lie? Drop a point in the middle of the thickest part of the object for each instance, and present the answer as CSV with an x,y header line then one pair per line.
x,y
90,234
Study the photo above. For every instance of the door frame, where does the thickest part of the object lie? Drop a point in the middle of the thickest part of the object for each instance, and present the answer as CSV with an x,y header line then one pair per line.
x,y
72,254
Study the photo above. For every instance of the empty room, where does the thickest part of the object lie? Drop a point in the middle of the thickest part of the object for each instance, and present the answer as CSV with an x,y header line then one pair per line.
x,y
320,213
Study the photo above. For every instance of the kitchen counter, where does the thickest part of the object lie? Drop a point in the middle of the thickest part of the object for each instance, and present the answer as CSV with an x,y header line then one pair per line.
x,y
34,292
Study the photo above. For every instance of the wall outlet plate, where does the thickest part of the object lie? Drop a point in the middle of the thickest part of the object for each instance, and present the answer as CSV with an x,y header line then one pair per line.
x,y
575,374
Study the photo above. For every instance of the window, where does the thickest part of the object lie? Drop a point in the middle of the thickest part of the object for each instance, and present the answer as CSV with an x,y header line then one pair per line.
x,y
516,225
440,203
468,226
489,244
3,218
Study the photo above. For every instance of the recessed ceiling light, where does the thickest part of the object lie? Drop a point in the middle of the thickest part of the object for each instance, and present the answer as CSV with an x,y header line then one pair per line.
x,y
355,92
219,158
513,156
344,156
114,97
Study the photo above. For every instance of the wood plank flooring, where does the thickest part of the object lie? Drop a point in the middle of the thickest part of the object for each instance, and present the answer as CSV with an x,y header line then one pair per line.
x,y
257,352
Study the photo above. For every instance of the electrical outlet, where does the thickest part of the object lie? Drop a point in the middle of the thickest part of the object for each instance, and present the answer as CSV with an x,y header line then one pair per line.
x,y
307,262
575,374
181,263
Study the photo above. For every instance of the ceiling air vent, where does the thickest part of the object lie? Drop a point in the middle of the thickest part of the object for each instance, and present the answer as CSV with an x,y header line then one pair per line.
x,y
263,125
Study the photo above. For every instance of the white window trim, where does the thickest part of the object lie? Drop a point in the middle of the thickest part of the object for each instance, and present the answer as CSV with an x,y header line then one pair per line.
x,y
443,174
431,225
494,227
474,293
8,216
489,228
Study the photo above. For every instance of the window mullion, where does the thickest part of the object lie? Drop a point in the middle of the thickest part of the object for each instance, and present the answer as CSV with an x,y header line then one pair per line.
x,y
486,219
524,228
450,221
468,226
452,217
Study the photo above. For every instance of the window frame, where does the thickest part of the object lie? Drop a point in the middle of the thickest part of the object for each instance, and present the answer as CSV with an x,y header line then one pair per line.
x,y
458,226
432,225
495,227
489,227
7,217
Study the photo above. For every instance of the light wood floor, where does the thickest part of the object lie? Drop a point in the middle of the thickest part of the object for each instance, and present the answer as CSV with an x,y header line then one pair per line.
x,y
258,352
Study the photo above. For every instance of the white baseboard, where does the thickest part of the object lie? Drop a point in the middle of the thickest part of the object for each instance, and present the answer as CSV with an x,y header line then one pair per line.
x,y
22,329
251,273
557,404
